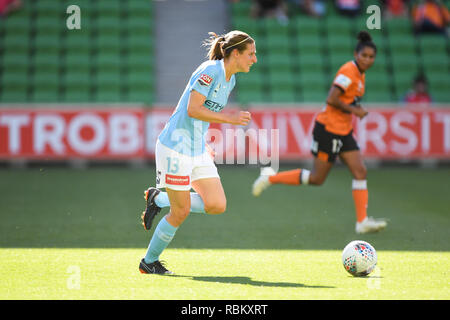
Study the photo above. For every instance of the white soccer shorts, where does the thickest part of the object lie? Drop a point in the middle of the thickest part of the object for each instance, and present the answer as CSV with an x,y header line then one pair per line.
x,y
176,171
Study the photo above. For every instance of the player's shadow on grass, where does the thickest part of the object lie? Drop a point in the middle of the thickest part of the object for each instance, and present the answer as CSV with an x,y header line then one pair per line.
x,y
249,281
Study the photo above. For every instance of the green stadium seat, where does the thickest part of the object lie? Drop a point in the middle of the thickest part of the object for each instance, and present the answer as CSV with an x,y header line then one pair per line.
x,y
137,42
404,61
246,24
15,42
50,7
279,44
440,96
78,41
18,23
439,82
374,96
115,45
338,26
241,9
314,87
140,95
141,79
14,79
435,62
45,95
46,61
19,60
250,86
283,95
337,59
314,95
13,94
77,87
138,24
45,79
107,61
340,44
309,45
47,42
306,25
108,86
138,8
109,24
404,44
109,7
50,24
76,79
310,62
400,26
321,46
109,42
430,43
280,61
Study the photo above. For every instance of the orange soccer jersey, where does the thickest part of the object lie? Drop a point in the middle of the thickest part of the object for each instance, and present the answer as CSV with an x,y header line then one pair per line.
x,y
351,81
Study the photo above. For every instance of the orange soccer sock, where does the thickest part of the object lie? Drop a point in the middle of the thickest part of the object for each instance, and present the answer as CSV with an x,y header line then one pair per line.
x,y
361,199
291,177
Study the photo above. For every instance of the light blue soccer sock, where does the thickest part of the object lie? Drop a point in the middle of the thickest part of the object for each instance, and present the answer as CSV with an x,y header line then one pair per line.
x,y
161,238
162,200
197,205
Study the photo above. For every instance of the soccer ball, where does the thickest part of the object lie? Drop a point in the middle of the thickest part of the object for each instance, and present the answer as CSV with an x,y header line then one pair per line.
x,y
359,258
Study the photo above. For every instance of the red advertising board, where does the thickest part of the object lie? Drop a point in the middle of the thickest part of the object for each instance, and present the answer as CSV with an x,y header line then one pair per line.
x,y
383,134
124,133
74,133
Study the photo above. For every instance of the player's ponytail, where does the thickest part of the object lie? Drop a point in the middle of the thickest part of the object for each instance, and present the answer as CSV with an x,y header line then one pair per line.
x,y
214,44
365,40
220,47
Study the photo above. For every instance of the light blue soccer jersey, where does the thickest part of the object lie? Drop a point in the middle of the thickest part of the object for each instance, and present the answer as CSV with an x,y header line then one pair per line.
x,y
188,135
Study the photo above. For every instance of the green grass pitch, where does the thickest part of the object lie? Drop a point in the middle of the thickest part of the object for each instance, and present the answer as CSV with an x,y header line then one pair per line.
x,y
79,231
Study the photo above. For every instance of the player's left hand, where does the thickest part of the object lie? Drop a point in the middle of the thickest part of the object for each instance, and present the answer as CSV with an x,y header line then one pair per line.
x,y
360,112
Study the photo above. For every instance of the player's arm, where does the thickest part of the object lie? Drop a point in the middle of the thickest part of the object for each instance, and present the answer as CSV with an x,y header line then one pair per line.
x,y
333,100
197,110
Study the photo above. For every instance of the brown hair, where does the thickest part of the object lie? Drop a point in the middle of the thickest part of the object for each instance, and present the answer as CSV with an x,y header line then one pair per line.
x,y
220,47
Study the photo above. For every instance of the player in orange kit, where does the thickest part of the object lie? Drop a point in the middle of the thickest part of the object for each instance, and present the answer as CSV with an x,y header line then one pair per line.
x,y
333,136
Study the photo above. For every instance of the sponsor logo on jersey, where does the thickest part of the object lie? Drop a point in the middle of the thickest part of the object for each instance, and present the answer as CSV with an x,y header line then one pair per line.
x,y
177,180
205,80
213,106
343,81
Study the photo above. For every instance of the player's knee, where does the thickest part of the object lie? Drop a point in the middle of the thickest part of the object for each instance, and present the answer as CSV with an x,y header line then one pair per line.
x,y
179,214
360,173
317,180
216,207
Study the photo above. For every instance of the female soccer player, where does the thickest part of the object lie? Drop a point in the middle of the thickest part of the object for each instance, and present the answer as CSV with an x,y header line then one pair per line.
x,y
332,137
183,159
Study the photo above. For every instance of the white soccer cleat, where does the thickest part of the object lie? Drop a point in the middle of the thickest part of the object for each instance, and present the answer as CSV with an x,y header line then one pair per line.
x,y
262,183
370,224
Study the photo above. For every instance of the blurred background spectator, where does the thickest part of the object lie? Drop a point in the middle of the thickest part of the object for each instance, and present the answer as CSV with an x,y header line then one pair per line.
x,y
6,6
419,92
270,9
395,8
430,16
313,8
349,8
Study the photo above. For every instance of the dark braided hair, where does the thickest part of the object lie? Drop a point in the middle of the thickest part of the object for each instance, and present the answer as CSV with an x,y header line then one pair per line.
x,y
365,40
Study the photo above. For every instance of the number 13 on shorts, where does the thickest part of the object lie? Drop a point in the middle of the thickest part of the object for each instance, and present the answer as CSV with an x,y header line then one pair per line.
x,y
173,165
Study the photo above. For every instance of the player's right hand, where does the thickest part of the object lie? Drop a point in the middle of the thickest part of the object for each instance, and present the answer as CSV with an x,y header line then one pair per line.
x,y
241,118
